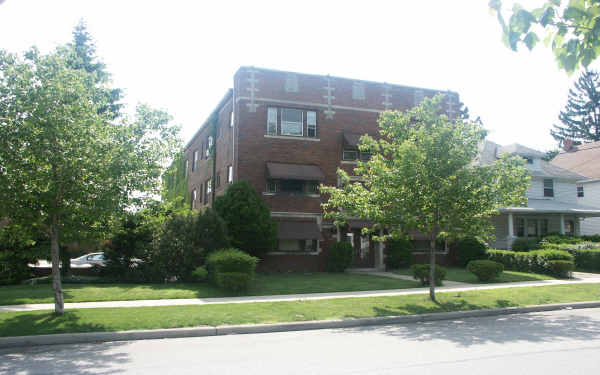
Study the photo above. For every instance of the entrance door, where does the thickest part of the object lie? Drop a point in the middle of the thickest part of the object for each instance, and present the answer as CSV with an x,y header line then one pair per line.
x,y
364,255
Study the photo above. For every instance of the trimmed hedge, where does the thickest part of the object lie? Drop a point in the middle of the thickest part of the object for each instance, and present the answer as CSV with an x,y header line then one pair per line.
x,y
485,270
398,253
592,238
200,274
231,269
470,248
421,273
561,268
340,257
532,261
525,244
587,259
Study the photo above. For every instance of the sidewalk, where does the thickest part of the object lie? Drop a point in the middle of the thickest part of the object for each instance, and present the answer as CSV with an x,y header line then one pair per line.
x,y
580,278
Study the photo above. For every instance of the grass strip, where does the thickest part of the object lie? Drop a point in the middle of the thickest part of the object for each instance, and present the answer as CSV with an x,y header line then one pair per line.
x,y
116,319
263,285
464,276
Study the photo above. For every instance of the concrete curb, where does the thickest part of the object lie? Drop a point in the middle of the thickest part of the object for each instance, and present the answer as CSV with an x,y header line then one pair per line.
x,y
96,337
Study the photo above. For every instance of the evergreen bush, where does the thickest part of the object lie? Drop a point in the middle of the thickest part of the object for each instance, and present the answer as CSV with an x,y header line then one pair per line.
x,y
421,273
470,248
398,253
340,256
485,270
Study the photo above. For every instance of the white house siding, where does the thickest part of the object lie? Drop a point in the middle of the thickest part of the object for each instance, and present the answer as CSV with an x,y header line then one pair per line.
x,y
591,197
564,191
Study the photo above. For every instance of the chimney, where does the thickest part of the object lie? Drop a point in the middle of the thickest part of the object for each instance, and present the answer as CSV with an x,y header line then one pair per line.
x,y
568,145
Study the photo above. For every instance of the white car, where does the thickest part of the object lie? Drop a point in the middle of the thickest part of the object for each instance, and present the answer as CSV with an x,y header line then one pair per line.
x,y
91,259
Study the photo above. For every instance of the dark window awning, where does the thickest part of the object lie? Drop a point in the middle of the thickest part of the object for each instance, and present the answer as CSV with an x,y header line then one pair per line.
x,y
304,172
351,140
358,224
299,230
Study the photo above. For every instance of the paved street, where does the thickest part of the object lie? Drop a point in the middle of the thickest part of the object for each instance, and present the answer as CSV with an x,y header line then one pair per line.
x,y
560,342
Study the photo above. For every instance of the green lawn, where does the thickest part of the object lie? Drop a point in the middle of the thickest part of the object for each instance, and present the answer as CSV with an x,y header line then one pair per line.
x,y
115,319
264,284
464,276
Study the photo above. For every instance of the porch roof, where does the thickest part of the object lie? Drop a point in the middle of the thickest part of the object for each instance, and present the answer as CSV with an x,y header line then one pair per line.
x,y
548,206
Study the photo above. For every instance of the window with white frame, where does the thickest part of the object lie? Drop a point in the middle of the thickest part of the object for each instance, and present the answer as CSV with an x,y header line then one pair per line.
x,y
548,187
579,191
194,197
229,174
291,122
187,165
311,124
209,186
350,155
195,160
231,118
358,91
272,121
209,146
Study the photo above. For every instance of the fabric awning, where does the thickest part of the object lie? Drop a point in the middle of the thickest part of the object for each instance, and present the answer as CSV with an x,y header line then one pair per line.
x,y
351,140
358,224
295,172
299,230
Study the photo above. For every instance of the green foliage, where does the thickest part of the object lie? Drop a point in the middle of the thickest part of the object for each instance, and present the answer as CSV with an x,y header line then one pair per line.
x,y
421,273
340,256
200,274
175,183
231,269
536,261
587,259
485,270
562,239
580,120
398,253
570,26
470,248
561,268
525,244
248,219
17,249
592,238
551,155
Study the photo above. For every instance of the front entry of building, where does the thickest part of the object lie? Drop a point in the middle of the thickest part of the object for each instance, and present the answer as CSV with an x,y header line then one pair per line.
x,y
364,249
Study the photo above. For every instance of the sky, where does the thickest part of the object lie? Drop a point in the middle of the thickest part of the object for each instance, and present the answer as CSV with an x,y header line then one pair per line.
x,y
181,55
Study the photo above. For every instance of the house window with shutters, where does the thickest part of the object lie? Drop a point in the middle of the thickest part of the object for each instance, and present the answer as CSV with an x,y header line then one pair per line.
x,y
548,187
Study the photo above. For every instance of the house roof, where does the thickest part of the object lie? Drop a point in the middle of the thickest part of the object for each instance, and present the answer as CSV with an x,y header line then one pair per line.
x,y
583,159
550,170
549,206
295,172
521,150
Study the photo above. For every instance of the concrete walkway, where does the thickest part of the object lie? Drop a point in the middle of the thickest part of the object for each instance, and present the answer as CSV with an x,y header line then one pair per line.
x,y
580,278
406,277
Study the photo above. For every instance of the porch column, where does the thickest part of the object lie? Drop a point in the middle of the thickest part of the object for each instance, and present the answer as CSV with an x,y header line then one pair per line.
x,y
562,224
379,264
577,223
511,231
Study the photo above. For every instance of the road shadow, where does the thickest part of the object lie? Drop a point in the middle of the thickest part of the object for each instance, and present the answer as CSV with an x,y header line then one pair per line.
x,y
534,328
100,358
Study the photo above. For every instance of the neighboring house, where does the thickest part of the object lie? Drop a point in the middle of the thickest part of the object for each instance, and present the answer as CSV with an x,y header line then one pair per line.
x,y
553,204
285,133
584,160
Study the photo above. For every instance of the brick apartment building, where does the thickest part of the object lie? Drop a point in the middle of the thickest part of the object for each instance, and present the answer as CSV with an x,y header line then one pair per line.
x,y
286,133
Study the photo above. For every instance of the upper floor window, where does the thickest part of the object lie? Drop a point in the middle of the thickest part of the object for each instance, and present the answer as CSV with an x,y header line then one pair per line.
x,y
218,180
291,83
292,186
350,155
209,146
231,118
209,186
358,91
548,187
229,174
528,159
195,161
580,191
291,122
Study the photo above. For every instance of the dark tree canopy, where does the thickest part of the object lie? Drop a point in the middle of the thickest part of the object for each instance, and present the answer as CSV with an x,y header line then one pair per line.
x,y
581,117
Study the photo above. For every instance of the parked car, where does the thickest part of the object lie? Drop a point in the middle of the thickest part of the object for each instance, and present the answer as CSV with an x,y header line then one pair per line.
x,y
92,259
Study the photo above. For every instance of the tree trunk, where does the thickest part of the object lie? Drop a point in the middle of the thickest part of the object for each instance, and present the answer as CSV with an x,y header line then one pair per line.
x,y
59,304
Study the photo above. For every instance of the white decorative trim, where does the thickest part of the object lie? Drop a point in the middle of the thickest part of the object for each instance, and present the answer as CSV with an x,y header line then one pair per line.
x,y
295,214
309,104
329,112
349,162
253,90
268,193
387,96
296,138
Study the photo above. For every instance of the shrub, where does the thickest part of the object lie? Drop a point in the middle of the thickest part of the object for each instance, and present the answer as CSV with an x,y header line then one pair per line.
x,y
421,273
398,253
248,219
592,238
587,259
561,268
562,239
470,248
533,261
200,274
525,244
340,257
231,269
18,248
485,270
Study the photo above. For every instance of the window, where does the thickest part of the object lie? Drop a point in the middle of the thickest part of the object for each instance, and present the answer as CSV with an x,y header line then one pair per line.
x,y
548,187
358,91
543,227
272,121
209,186
297,245
569,227
201,191
291,122
231,118
229,174
209,146
528,159
194,196
313,187
205,192
364,243
291,186
195,161
532,229
365,156
520,224
311,123
187,165
579,191
218,180
349,155
271,186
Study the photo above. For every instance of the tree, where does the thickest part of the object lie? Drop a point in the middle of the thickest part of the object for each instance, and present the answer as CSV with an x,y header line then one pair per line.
x,y
581,116
175,183
572,26
422,176
63,163
248,219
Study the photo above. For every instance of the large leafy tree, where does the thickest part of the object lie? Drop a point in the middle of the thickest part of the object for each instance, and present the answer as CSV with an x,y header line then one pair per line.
x,y
572,27
581,117
63,162
423,176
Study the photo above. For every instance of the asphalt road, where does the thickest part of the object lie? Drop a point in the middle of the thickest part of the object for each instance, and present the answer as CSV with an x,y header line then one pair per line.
x,y
560,342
